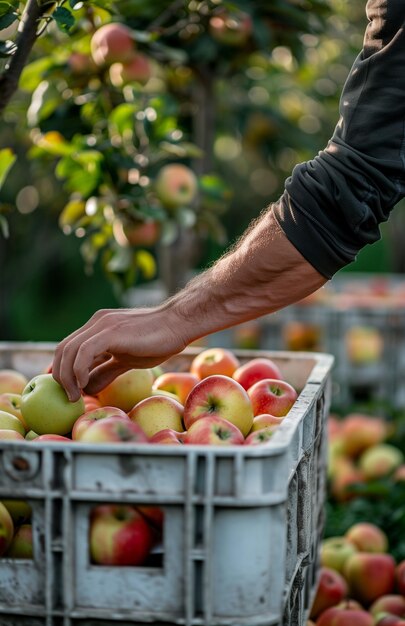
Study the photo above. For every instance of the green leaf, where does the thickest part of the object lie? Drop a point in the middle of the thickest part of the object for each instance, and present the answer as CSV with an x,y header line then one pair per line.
x,y
71,213
64,19
33,73
45,100
122,120
7,159
6,19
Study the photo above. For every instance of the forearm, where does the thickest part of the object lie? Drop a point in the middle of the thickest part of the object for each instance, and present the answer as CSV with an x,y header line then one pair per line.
x,y
261,274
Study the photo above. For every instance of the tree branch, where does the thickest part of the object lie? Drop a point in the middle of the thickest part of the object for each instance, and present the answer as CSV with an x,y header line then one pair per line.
x,y
26,36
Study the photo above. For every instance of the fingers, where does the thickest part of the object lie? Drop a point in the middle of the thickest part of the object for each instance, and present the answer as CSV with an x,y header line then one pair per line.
x,y
103,375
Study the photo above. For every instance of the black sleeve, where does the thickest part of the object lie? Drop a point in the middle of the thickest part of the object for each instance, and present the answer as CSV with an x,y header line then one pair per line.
x,y
332,205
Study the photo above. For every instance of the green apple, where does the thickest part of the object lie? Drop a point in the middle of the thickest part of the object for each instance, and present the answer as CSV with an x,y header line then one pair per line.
x,y
335,551
11,422
46,409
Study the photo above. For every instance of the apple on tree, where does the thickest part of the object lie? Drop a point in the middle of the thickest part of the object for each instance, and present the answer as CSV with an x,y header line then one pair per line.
x,y
112,43
176,185
45,407
137,69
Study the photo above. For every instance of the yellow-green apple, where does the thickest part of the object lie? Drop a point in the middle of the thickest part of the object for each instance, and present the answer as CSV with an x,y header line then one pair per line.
x,y
391,603
340,616
331,590
112,43
114,430
21,546
176,185
119,535
11,422
137,69
7,433
265,420
400,577
157,413
231,28
6,529
127,389
272,396
367,537
51,438
219,396
19,510
364,345
168,436
31,435
369,576
258,437
359,432
11,403
179,383
45,407
380,460
215,431
254,370
12,381
214,361
88,418
335,551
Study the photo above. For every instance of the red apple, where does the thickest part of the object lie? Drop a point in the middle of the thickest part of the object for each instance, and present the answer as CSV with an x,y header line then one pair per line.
x,y
176,185
400,577
336,616
21,546
158,413
119,535
12,381
136,233
214,361
112,43
6,529
259,437
254,370
84,421
219,396
369,576
168,436
127,389
392,603
137,69
114,430
331,590
272,396
179,383
90,402
213,430
367,537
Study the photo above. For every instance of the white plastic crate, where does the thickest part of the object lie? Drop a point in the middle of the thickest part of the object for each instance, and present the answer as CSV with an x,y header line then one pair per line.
x,y
242,524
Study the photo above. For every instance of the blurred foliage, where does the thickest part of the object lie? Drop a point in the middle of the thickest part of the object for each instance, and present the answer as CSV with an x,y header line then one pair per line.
x,y
240,108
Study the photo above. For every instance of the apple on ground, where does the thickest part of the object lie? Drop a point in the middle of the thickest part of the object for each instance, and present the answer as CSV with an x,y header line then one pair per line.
x,y
391,603
157,413
359,432
219,396
272,396
380,460
265,420
254,370
335,551
369,576
127,389
339,616
259,437
84,421
119,535
400,577
6,529
168,436
114,430
12,381
331,590
176,185
45,407
214,361
112,43
20,511
367,537
11,422
213,430
21,546
178,383
7,433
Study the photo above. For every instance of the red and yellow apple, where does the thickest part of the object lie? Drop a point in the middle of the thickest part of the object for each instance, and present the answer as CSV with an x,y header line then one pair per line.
x,y
380,460
179,383
331,590
254,370
112,43
88,418
127,389
341,616
265,420
176,185
391,603
12,381
157,413
168,436
367,537
215,431
114,430
359,432
258,437
272,396
137,69
369,576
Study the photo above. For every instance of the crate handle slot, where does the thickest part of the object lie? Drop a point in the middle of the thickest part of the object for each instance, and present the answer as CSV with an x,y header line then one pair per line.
x,y
22,465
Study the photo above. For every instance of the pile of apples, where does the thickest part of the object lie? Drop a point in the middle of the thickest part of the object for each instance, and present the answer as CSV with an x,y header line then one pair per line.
x,y
218,401
359,453
360,584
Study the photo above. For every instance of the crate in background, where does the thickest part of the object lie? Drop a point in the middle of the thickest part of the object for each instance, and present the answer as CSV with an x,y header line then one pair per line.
x,y
242,524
